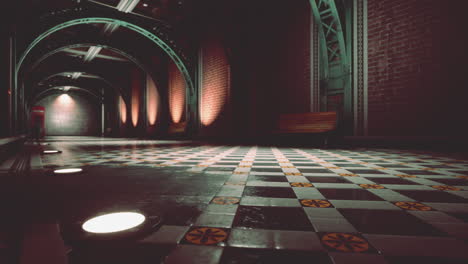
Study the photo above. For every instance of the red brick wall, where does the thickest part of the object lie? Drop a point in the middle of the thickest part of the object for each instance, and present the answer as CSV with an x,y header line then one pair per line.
x,y
411,76
176,94
215,87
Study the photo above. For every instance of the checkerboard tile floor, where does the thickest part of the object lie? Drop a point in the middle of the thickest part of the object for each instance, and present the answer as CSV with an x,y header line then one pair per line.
x,y
304,204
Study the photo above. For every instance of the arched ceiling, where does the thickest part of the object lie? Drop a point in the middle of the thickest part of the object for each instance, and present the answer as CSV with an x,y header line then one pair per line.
x,y
56,53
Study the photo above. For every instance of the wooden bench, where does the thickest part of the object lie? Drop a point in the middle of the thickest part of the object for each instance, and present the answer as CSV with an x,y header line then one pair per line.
x,y
307,123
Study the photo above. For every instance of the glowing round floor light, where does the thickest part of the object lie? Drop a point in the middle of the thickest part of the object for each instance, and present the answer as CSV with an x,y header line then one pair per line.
x,y
50,151
68,170
115,222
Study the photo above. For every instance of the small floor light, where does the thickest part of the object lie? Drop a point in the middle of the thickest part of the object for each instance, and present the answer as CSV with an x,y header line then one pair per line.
x,y
51,151
114,222
68,171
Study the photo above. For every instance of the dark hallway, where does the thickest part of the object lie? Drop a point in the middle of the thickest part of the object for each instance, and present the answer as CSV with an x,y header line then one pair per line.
x,y
232,132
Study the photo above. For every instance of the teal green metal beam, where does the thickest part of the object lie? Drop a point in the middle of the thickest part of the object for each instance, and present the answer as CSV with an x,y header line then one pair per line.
x,y
336,63
102,20
326,14
42,94
80,45
99,78
191,95
323,44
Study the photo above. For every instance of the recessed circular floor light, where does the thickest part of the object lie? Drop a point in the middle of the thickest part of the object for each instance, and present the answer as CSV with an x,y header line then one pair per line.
x,y
67,171
51,151
114,222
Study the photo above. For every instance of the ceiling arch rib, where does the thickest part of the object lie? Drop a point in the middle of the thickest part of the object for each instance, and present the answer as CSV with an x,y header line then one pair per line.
x,y
157,33
59,47
64,89
56,67
95,84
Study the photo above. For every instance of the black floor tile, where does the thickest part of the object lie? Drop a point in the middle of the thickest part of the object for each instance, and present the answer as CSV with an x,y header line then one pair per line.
x,y
306,164
321,179
432,196
388,165
461,172
264,164
365,171
419,172
275,192
267,169
227,163
335,160
351,165
265,256
276,218
452,182
268,178
380,180
390,222
349,194
220,168
314,170
438,166
115,162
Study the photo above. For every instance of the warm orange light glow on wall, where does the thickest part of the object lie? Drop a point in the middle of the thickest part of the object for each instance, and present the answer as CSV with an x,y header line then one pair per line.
x,y
122,110
176,93
152,100
215,82
136,88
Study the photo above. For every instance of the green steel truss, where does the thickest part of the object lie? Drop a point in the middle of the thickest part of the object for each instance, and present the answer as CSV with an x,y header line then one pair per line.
x,y
335,61
332,37
157,33
63,46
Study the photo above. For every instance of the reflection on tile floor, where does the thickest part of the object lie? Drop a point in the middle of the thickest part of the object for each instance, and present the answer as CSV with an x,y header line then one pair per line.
x,y
256,204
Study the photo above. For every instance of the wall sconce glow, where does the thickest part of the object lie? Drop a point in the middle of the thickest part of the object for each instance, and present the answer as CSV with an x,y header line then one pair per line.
x,y
176,93
51,151
152,100
215,82
136,86
68,171
65,100
114,222
122,110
